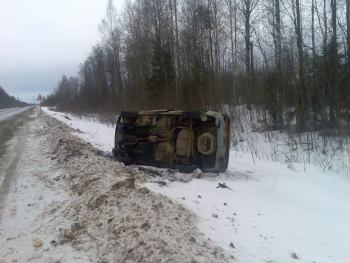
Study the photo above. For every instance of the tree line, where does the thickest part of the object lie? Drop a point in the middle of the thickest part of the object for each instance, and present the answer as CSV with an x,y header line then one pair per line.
x,y
289,57
7,101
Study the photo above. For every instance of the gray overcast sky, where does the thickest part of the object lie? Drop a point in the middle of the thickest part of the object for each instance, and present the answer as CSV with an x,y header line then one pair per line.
x,y
42,39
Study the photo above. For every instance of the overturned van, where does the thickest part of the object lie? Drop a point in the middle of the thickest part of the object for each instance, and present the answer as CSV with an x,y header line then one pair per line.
x,y
183,140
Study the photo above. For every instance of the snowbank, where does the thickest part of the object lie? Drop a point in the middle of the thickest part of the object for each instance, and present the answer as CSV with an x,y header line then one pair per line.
x,y
89,129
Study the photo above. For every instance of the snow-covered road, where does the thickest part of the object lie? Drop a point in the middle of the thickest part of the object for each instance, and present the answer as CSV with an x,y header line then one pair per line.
x,y
28,200
271,214
7,113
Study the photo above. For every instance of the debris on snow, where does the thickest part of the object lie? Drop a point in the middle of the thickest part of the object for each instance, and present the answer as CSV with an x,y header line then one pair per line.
x,y
65,235
37,243
53,243
162,183
75,227
294,255
223,185
197,173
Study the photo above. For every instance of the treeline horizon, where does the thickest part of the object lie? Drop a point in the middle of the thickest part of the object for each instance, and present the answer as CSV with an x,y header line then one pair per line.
x,y
7,101
288,57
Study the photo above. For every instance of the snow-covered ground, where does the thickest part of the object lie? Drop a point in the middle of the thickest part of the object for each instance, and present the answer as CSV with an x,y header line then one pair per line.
x,y
271,213
7,113
89,129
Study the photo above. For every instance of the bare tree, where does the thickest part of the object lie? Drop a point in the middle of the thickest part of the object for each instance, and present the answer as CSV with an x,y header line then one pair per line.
x,y
279,92
232,7
247,8
112,36
313,32
348,43
333,53
278,41
300,112
206,53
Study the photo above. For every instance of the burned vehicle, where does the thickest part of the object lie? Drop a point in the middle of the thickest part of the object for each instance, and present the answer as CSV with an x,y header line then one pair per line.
x,y
182,140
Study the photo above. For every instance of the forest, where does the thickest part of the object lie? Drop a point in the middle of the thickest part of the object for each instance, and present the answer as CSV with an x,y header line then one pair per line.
x,y
288,58
7,101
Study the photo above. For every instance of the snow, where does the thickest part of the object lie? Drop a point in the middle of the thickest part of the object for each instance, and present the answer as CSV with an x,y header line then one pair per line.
x,y
272,212
7,113
89,129
35,203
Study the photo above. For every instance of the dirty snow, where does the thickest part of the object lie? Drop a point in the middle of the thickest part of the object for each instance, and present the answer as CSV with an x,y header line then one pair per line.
x,y
270,214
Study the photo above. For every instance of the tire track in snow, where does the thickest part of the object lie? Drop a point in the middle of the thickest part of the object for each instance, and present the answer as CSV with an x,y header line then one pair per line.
x,y
9,155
